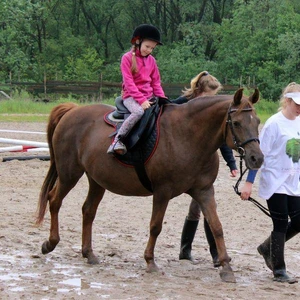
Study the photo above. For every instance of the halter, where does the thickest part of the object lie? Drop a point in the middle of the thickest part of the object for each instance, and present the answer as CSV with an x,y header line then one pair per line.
x,y
239,146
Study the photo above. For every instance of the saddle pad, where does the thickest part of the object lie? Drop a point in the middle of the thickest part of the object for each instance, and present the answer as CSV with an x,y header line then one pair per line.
x,y
144,148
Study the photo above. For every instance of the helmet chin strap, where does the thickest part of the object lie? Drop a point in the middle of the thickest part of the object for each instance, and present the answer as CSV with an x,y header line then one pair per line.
x,y
138,43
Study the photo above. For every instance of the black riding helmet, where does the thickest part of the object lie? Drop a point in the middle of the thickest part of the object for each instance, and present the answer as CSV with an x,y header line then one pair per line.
x,y
146,31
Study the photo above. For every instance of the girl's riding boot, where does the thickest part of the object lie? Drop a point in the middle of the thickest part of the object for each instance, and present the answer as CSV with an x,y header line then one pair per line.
x,y
277,258
212,245
264,249
187,237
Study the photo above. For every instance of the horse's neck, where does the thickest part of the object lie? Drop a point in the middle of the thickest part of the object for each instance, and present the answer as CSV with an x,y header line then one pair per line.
x,y
208,120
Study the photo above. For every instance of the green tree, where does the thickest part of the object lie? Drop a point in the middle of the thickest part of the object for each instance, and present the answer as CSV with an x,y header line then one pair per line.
x,y
86,67
77,39
21,33
250,43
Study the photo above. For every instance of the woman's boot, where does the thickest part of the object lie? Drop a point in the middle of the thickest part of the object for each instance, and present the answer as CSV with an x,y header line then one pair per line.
x,y
277,258
212,245
187,237
264,249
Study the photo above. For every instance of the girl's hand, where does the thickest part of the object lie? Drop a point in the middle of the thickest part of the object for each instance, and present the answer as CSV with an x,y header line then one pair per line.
x,y
145,104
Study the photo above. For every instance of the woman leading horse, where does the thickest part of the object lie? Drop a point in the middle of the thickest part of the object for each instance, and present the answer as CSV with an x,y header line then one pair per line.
x,y
185,161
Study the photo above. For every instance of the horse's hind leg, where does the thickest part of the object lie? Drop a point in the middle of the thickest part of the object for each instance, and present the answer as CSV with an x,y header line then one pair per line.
x,y
89,210
56,196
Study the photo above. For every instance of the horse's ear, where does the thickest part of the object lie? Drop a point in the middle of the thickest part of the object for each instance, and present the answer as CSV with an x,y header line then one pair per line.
x,y
255,96
238,96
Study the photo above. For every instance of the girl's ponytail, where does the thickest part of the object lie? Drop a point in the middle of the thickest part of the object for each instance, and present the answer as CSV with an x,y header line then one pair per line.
x,y
134,68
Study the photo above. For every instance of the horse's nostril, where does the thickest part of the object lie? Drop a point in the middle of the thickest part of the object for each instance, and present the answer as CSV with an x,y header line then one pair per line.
x,y
257,161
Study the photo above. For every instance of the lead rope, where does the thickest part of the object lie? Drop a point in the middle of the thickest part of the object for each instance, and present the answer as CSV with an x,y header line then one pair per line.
x,y
255,202
236,189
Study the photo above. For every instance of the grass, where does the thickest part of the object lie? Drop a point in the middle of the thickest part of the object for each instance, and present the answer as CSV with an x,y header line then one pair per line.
x,y
23,118
265,109
22,109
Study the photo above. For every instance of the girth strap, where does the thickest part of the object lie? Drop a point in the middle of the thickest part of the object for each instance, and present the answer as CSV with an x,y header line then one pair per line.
x,y
142,174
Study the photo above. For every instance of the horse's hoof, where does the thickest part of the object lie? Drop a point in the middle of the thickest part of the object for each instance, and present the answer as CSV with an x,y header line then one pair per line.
x,y
227,275
152,268
46,249
93,260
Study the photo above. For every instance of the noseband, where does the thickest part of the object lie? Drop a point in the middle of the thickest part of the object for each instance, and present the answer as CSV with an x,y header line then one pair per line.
x,y
239,146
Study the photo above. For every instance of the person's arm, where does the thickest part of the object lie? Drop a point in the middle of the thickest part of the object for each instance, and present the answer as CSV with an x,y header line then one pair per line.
x,y
229,158
180,100
246,189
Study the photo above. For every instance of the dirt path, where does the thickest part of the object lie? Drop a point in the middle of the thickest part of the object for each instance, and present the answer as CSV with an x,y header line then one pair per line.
x,y
119,238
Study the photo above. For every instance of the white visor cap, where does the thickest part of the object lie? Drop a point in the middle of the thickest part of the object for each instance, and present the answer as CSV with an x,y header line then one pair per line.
x,y
295,96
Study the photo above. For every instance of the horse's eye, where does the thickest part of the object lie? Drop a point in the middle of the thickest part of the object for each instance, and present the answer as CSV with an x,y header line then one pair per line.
x,y
236,124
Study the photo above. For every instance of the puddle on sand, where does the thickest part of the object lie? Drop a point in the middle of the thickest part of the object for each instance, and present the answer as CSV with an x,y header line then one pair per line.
x,y
17,278
79,284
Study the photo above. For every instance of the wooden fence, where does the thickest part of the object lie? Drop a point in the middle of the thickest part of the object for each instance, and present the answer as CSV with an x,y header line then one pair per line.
x,y
97,90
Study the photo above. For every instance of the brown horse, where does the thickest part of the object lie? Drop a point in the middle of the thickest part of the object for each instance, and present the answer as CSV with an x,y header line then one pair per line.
x,y
185,161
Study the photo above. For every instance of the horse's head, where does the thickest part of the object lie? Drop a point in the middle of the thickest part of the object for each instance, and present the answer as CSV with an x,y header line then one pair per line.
x,y
241,130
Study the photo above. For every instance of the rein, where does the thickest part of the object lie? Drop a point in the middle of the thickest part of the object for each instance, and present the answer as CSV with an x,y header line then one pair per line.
x,y
255,202
236,189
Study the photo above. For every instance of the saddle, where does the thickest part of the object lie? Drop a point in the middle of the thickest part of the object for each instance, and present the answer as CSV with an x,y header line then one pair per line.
x,y
142,140
144,127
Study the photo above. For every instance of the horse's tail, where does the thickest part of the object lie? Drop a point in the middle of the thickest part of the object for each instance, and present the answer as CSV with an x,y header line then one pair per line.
x,y
55,116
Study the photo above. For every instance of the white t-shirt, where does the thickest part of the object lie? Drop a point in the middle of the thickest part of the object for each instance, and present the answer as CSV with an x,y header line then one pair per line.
x,y
280,144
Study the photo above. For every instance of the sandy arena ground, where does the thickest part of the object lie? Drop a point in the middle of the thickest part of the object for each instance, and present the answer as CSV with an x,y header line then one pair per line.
x,y
121,230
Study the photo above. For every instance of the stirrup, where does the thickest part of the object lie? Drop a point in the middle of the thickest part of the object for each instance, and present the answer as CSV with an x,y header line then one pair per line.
x,y
110,149
118,148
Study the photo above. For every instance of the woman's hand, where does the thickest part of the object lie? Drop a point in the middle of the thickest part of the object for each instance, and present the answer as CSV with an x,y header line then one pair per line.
x,y
233,173
246,190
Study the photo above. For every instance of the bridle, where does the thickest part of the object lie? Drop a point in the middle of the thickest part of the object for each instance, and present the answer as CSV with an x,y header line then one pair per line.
x,y
239,145
241,151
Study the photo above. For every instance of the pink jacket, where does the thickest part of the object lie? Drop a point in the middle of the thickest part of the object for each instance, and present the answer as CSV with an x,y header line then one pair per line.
x,y
145,83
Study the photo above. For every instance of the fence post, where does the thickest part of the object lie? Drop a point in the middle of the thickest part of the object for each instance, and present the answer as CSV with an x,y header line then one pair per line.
x,y
10,83
45,84
100,88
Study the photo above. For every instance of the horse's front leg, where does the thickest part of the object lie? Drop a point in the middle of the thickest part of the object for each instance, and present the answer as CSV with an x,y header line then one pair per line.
x,y
209,209
159,206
